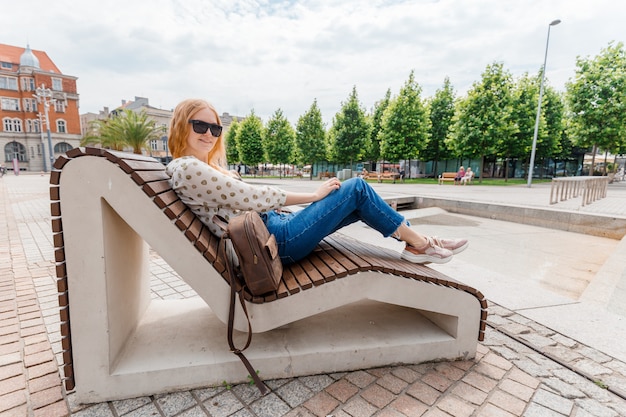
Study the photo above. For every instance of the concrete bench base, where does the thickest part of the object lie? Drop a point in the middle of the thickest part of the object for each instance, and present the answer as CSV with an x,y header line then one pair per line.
x,y
123,344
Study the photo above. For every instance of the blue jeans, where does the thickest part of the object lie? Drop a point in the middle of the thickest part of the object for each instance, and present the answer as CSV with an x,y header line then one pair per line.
x,y
299,233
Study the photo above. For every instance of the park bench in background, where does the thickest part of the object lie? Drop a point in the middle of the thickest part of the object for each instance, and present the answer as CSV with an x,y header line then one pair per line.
x,y
447,177
347,306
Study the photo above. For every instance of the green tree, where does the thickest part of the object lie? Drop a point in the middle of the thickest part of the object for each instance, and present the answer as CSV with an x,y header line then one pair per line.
x,y
597,101
441,113
372,152
232,151
310,137
483,119
524,112
250,140
125,129
405,124
349,131
279,139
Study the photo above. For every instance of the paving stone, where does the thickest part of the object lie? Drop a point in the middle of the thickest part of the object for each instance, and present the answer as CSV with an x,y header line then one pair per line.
x,y
98,410
592,368
223,404
321,404
508,402
469,393
269,406
174,403
479,381
358,407
553,401
125,406
406,374
563,353
294,393
538,340
530,367
564,340
563,389
196,411
342,390
12,400
537,410
377,396
360,378
316,383
490,410
593,354
409,406
489,370
246,393
57,409
595,408
450,371
392,383
455,406
423,392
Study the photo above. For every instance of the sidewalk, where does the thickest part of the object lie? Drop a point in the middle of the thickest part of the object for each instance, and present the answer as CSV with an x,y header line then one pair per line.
x,y
554,345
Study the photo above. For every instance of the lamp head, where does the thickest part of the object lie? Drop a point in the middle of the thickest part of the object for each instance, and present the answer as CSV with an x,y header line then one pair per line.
x,y
555,22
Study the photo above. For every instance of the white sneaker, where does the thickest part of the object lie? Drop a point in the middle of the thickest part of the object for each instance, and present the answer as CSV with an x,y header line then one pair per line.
x,y
453,245
432,253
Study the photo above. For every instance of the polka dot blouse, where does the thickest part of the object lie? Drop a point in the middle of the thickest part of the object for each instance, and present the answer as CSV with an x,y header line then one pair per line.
x,y
207,192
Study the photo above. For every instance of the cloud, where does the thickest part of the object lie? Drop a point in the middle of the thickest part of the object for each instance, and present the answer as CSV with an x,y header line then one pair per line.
x,y
265,54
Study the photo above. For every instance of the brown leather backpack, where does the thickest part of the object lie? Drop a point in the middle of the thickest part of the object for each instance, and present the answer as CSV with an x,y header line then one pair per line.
x,y
257,268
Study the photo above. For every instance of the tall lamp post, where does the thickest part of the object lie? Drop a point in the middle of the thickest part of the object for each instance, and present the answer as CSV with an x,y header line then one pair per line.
x,y
543,76
44,95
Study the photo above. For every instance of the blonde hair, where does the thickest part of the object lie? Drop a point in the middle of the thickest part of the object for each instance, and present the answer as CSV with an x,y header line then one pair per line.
x,y
180,129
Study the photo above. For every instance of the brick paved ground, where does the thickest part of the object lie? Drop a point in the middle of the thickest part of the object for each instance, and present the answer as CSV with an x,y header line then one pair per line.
x,y
522,368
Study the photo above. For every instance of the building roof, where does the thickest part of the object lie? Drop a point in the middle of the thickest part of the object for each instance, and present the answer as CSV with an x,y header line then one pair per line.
x,y
13,54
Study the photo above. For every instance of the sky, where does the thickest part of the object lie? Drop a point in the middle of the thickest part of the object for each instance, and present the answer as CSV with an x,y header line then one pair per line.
x,y
265,55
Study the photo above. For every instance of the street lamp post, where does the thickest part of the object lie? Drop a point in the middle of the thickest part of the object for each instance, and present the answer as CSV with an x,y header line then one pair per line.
x,y
543,76
44,95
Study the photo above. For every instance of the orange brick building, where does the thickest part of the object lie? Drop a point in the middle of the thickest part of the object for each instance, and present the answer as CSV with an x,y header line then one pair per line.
x,y
29,79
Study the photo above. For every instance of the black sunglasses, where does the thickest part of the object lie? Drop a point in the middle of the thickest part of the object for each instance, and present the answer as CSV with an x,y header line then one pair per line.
x,y
201,127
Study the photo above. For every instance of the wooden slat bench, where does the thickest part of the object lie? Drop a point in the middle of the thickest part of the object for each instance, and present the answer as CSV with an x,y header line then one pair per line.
x,y
386,176
447,177
347,306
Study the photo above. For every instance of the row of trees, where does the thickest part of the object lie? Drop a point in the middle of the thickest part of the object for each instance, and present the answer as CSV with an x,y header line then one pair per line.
x,y
496,118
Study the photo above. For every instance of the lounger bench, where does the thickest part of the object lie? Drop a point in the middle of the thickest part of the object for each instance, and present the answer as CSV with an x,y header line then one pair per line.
x,y
347,306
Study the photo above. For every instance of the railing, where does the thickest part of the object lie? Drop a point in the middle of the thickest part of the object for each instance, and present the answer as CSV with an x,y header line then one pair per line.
x,y
591,189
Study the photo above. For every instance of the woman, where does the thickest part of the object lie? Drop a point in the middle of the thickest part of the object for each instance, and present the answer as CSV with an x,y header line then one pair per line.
x,y
459,175
199,177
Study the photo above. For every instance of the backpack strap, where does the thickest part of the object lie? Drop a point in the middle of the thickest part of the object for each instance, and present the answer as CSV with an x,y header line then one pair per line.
x,y
231,319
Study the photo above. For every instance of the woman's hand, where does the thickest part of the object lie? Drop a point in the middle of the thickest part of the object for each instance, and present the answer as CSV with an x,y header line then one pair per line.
x,y
323,190
327,187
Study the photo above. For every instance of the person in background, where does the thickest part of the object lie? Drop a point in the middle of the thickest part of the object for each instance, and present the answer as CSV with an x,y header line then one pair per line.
x,y
460,174
199,176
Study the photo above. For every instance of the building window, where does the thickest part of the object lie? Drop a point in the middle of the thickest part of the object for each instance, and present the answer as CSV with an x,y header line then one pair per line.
x,y
10,104
62,147
57,84
39,149
30,104
8,83
59,106
28,84
14,150
61,128
32,152
6,65
154,145
12,125
32,126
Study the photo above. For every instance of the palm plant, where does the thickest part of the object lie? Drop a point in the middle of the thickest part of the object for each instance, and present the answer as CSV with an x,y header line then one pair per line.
x,y
126,129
